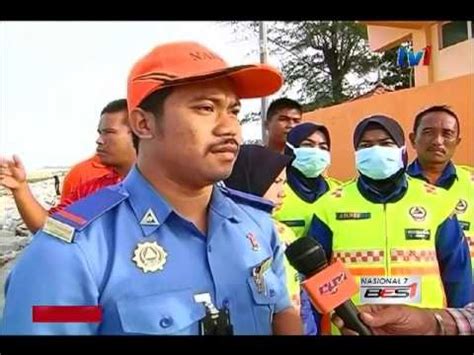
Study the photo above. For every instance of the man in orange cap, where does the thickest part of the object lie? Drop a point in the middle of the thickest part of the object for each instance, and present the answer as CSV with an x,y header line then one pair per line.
x,y
168,251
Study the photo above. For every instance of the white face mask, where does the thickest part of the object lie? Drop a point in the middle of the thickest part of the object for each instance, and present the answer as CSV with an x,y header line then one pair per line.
x,y
310,161
379,162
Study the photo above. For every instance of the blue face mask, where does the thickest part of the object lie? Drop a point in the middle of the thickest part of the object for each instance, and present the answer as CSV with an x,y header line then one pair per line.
x,y
379,162
311,162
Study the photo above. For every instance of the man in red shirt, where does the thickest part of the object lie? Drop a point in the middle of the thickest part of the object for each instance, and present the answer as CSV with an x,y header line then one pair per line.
x,y
88,169
115,149
85,189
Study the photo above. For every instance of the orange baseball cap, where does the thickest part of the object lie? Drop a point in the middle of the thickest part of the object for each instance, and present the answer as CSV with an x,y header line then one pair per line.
x,y
181,63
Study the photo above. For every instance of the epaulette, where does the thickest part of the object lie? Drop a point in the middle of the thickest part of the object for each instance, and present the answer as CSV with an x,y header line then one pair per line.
x,y
63,223
247,199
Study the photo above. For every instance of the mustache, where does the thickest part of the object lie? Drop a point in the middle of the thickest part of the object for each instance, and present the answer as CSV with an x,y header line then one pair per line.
x,y
433,149
231,142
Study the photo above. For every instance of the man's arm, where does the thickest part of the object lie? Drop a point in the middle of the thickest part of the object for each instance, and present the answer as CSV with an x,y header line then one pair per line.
x,y
50,273
409,320
454,261
13,177
464,318
287,322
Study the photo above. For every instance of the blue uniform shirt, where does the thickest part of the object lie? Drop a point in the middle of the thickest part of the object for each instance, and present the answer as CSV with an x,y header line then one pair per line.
x,y
99,266
446,179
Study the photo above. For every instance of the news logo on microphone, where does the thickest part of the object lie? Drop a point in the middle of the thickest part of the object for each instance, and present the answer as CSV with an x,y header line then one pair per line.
x,y
334,286
329,286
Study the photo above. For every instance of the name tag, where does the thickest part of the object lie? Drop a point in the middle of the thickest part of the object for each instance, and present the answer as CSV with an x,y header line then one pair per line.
x,y
59,230
294,223
417,234
340,216
258,274
388,290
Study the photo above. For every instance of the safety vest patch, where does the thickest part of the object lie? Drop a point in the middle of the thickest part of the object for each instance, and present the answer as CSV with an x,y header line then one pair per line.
x,y
341,216
417,234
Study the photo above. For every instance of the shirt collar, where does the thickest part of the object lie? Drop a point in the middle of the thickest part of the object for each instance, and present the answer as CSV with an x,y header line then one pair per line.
x,y
445,179
222,205
375,196
152,210
149,206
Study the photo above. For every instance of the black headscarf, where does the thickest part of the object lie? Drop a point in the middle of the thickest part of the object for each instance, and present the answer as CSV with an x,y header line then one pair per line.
x,y
255,169
302,131
395,131
308,189
391,126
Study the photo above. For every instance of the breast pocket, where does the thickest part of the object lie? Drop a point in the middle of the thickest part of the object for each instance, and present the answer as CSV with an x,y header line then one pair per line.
x,y
265,295
171,313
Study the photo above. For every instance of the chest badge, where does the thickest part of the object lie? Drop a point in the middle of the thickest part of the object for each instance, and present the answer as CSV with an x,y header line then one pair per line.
x,y
253,241
149,219
418,213
461,207
149,256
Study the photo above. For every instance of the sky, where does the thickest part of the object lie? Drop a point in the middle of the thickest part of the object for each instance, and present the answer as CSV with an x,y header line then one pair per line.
x,y
55,78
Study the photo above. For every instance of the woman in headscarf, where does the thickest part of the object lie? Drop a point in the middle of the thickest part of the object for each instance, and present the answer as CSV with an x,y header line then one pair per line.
x,y
262,172
309,144
389,228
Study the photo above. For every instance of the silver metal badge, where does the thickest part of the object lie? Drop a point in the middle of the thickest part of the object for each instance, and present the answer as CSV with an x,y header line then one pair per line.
x,y
150,256
149,219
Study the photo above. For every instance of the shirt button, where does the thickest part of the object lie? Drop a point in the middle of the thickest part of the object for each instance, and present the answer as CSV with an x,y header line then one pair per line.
x,y
166,322
209,248
225,303
272,292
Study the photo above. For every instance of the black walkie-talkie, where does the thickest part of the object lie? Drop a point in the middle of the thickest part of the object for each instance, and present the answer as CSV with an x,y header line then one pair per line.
x,y
216,322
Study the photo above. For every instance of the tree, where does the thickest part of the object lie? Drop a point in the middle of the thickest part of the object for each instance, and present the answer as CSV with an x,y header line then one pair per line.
x,y
326,62
250,117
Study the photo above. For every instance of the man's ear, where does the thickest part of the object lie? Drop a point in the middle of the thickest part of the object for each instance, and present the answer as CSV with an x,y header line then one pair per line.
x,y
266,123
412,137
142,123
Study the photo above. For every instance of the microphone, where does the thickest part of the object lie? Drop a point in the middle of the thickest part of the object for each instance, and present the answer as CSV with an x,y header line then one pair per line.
x,y
330,287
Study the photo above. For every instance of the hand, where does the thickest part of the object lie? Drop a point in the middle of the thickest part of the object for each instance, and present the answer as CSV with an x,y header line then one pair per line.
x,y
12,173
393,320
